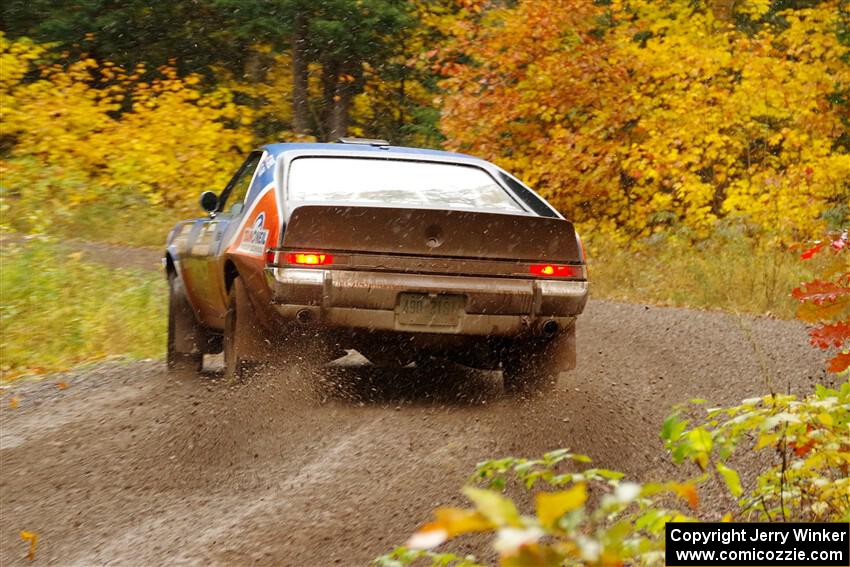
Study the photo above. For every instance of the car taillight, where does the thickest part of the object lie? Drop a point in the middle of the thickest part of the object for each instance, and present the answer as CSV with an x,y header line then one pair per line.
x,y
309,258
554,271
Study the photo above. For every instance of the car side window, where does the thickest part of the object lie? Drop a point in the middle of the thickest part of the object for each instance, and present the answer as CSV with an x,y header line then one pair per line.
x,y
532,201
264,176
237,189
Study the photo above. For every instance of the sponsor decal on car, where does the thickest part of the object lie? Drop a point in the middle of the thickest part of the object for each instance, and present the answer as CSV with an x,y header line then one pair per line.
x,y
254,237
265,164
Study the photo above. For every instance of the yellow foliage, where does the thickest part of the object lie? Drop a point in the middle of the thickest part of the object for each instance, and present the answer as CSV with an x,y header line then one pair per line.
x,y
551,506
268,94
664,113
85,129
32,538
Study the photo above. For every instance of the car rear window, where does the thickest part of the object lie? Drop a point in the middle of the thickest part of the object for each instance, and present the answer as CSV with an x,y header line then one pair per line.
x,y
396,182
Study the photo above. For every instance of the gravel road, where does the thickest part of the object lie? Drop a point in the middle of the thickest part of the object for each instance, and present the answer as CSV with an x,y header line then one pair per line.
x,y
124,464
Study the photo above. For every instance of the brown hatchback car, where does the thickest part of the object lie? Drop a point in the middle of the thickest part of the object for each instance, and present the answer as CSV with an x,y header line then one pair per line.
x,y
402,254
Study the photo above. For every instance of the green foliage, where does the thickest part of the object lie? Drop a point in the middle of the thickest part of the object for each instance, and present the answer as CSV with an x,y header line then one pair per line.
x,y
343,31
121,217
402,556
587,516
805,443
591,516
126,222
59,309
128,32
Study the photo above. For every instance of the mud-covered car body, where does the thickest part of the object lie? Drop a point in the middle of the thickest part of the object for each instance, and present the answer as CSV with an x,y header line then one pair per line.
x,y
369,244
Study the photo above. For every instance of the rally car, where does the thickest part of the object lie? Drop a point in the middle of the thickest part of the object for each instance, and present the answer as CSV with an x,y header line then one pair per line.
x,y
403,254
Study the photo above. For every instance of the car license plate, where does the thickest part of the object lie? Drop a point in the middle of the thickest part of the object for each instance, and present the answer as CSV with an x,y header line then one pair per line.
x,y
430,310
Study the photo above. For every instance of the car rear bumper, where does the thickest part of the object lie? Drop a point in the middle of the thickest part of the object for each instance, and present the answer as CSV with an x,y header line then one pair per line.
x,y
370,300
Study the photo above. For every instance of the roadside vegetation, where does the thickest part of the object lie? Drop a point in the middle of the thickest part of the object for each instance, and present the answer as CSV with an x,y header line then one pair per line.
x,y
60,309
730,270
584,515
117,220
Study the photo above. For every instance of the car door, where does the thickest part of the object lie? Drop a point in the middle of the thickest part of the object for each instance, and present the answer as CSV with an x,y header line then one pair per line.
x,y
233,206
205,261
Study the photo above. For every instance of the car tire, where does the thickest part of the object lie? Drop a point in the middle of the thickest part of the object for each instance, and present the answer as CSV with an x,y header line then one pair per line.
x,y
533,366
186,336
243,337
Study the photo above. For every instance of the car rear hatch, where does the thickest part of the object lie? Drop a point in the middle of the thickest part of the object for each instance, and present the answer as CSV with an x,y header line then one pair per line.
x,y
431,264
382,235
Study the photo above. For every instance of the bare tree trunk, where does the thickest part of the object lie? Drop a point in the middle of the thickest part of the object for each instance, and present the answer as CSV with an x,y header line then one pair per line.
x,y
252,68
330,80
341,106
402,95
300,108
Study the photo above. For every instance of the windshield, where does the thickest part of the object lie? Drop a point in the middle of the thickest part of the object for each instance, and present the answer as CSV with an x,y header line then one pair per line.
x,y
396,182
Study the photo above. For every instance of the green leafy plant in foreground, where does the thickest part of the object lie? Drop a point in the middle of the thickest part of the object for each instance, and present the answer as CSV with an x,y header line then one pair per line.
x,y
588,516
807,442
593,516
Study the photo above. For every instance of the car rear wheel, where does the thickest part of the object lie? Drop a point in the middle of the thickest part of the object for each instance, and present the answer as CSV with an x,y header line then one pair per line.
x,y
186,337
242,333
534,365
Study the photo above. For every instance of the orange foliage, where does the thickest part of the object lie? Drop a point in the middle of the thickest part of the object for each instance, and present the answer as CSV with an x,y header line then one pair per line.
x,y
826,302
635,115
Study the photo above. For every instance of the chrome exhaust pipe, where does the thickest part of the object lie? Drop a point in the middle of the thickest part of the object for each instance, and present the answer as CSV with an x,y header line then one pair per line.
x,y
304,316
549,328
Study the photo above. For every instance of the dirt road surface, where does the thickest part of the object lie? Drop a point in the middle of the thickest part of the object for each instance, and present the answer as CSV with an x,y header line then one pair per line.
x,y
129,465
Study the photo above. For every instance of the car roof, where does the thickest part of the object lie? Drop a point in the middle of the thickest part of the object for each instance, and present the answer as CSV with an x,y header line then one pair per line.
x,y
367,150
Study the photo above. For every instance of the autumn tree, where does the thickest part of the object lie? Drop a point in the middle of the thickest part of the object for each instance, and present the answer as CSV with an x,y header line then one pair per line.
x,y
634,115
66,143
400,98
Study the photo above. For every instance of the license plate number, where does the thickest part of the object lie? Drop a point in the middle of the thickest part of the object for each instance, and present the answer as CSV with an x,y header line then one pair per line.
x,y
429,310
